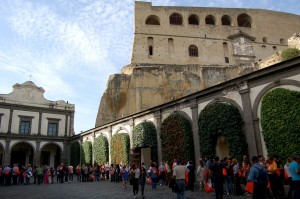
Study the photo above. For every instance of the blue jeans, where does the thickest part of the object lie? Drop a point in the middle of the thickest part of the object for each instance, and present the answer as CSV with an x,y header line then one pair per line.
x,y
153,183
180,189
229,184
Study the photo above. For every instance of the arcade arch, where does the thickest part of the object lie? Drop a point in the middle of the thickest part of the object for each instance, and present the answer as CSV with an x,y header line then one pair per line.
x,y
22,153
50,155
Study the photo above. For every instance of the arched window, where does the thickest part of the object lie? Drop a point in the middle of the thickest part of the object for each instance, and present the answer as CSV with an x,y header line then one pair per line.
x,y
171,47
274,48
281,41
226,20
244,20
264,39
175,19
210,20
193,51
194,20
153,20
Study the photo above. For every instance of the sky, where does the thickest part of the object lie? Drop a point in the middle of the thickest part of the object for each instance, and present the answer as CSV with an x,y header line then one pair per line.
x,y
70,47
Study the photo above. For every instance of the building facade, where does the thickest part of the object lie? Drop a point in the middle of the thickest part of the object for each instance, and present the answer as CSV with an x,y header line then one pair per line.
x,y
33,129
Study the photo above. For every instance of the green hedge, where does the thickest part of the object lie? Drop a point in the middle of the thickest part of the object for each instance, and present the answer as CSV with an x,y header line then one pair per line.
x,y
290,53
280,121
145,135
221,119
120,148
87,153
101,149
177,138
75,153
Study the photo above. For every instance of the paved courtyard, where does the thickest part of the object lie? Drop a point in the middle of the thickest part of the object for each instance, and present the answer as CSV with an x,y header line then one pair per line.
x,y
102,189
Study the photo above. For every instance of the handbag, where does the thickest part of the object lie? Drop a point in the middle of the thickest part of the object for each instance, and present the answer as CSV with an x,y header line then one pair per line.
x,y
132,179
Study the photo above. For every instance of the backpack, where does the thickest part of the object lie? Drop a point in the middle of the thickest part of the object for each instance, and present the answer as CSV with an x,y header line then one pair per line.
x,y
263,176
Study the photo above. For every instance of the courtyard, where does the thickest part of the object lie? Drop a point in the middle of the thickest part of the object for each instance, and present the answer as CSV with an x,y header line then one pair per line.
x,y
102,189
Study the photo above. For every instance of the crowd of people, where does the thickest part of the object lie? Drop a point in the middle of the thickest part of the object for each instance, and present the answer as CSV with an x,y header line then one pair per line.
x,y
260,178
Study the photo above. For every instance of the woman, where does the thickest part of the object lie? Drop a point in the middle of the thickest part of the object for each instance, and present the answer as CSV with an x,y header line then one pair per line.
x,y
143,179
191,175
135,175
153,175
273,178
289,176
200,174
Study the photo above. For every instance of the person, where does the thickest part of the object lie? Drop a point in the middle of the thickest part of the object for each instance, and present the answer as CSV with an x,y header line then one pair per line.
x,y
70,169
15,173
229,176
39,173
289,175
200,174
236,178
78,172
161,174
179,174
295,171
246,165
259,176
153,175
217,177
135,174
143,179
107,168
168,172
191,175
125,176
272,168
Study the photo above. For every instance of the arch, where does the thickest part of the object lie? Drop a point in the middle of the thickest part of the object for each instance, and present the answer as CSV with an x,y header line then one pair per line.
x,y
145,135
50,154
175,19
177,137
269,87
264,39
244,20
274,48
22,153
152,20
75,153
226,20
193,19
193,51
210,20
221,119
282,41
100,149
120,148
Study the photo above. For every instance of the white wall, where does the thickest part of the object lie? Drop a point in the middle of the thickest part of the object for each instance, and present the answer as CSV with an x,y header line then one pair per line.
x,y
4,120
16,121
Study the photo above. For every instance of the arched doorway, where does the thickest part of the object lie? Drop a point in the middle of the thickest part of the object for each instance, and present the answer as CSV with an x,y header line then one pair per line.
x,y
50,155
1,154
22,154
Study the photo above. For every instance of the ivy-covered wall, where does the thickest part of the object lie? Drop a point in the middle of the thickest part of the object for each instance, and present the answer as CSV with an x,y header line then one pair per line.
x,y
280,121
86,157
222,119
120,148
145,135
75,153
100,149
177,138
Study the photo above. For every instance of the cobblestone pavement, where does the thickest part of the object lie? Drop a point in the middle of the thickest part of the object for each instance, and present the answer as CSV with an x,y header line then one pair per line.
x,y
102,189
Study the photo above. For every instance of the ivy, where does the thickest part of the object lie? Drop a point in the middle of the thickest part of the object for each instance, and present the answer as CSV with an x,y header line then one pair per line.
x,y
87,153
101,149
144,135
280,121
177,138
290,53
221,119
75,153
120,148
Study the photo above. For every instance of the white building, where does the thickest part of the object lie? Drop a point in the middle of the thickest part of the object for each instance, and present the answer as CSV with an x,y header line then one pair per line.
x,y
33,129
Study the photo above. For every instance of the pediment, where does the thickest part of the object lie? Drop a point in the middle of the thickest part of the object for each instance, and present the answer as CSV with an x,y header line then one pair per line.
x,y
241,34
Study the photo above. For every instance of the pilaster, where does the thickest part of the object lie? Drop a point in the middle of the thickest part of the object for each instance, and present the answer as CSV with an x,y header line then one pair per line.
x,y
194,108
157,116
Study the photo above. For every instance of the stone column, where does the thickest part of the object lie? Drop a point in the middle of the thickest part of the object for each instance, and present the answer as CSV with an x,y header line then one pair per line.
x,y
158,118
93,152
7,151
194,108
131,124
10,119
37,153
249,127
258,136
109,143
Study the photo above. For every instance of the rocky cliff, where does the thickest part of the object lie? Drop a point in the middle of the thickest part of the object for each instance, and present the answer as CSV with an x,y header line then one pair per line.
x,y
140,87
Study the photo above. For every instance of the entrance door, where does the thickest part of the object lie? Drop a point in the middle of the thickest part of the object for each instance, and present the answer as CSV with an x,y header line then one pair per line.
x,y
222,149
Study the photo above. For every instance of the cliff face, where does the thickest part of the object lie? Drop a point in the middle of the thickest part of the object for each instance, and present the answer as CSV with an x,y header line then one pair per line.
x,y
143,86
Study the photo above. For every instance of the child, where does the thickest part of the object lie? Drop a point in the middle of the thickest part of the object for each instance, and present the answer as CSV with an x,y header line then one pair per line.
x,y
125,175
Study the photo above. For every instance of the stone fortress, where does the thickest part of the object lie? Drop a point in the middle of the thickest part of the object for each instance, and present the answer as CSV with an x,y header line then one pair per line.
x,y
181,50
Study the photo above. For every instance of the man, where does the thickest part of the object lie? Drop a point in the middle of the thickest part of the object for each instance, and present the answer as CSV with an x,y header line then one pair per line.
x,y
217,177
295,171
179,174
259,176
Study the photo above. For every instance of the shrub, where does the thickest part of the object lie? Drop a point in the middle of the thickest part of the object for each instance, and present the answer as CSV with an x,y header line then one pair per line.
x,y
101,149
120,148
290,53
87,153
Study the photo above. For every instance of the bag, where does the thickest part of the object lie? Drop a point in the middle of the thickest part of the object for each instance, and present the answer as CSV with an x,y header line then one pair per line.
x,y
263,176
132,179
249,187
149,181
18,172
208,186
6,172
174,186
224,172
240,173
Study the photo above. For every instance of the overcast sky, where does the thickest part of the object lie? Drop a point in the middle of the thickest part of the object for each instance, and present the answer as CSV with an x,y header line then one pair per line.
x,y
70,47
